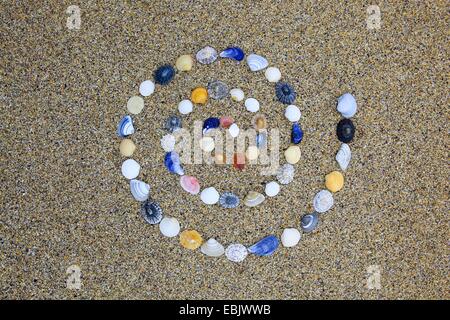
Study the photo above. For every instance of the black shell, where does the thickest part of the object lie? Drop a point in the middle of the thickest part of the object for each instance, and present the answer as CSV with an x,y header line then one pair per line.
x,y
345,130
151,211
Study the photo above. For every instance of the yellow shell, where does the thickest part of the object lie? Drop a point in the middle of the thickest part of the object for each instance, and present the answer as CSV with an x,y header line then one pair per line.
x,y
127,147
334,181
184,63
220,158
292,154
199,95
190,239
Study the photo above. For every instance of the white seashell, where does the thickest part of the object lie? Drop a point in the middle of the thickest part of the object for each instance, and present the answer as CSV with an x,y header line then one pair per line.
x,y
237,94
146,88
272,189
323,201
290,237
212,248
256,62
252,105
209,195
168,142
273,74
139,189
169,227
130,169
234,130
347,105
207,144
343,156
292,113
185,106
253,199
236,252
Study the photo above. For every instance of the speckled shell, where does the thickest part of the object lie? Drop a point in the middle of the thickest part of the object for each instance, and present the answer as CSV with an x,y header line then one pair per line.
x,y
323,201
265,246
236,252
212,248
207,55
256,62
139,189
217,89
285,174
151,212
344,156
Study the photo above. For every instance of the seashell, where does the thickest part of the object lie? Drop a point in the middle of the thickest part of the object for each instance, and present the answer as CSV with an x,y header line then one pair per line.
x,y
229,200
345,130
173,123
199,95
323,201
185,107
226,122
260,122
261,139
151,211
233,130
234,53
135,105
127,147
169,227
252,105
285,93
164,74
237,94
139,189
285,174
343,156
273,74
292,154
168,142
184,62
220,158
125,127
210,123
253,199
146,88
207,144
296,133
172,163
252,153
290,237
309,222
239,161
265,246
209,195
272,189
347,105
130,169
236,252
256,62
217,89
191,239
207,55
292,113
334,181
190,184
212,248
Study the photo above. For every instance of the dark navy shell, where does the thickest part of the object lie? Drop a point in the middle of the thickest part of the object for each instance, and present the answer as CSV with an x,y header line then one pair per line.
x,y
151,211
210,123
345,130
285,93
164,74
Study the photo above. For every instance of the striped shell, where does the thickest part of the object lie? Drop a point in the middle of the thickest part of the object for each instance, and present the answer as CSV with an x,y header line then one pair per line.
x,y
139,189
256,62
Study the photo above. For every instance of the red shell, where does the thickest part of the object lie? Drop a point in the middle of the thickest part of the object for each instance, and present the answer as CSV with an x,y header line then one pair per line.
x,y
226,122
239,161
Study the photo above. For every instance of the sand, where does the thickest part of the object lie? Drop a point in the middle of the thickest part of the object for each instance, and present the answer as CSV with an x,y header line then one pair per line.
x,y
64,201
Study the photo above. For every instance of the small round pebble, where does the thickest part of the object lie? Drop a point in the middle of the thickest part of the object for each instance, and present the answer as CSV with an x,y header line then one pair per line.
x,y
272,189
292,154
130,169
127,147
146,88
209,196
292,113
290,237
135,105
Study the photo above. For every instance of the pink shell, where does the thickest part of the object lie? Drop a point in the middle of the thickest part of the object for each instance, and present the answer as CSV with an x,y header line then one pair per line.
x,y
226,122
190,184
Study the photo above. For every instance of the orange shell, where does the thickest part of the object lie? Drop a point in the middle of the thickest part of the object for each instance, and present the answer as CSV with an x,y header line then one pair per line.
x,y
199,95
191,239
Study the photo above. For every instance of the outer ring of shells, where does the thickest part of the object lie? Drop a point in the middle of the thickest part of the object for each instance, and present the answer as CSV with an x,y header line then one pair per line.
x,y
191,239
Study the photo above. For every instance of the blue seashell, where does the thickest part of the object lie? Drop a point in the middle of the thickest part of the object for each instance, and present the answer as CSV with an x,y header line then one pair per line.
x,y
265,247
151,212
229,200
164,74
234,53
173,123
261,140
297,133
173,163
210,123
309,222
285,93
125,127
